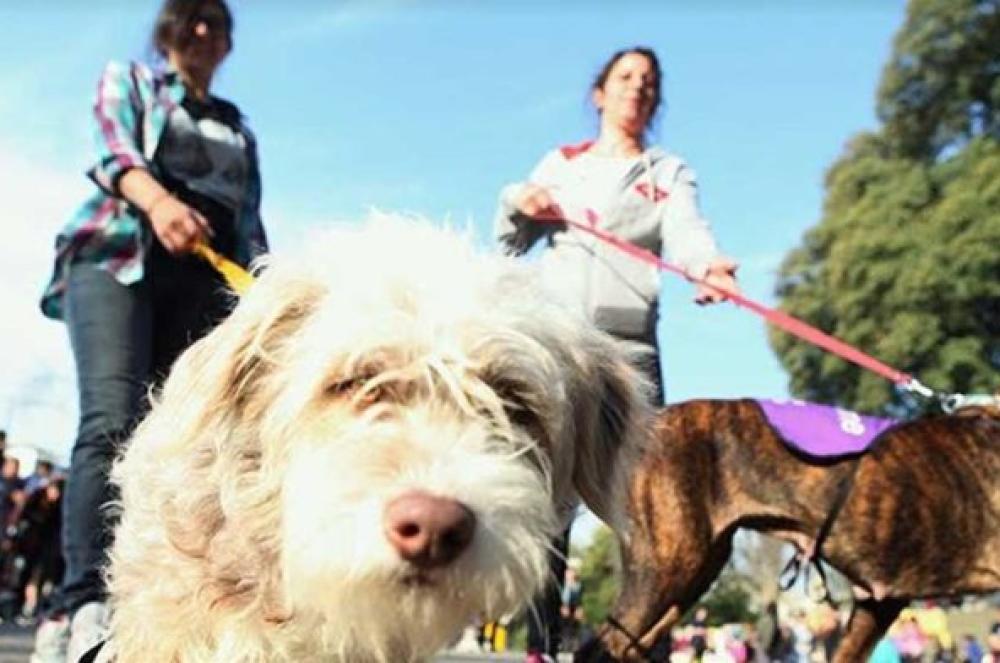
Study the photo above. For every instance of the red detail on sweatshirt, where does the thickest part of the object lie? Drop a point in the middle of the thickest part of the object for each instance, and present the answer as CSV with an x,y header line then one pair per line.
x,y
573,151
658,193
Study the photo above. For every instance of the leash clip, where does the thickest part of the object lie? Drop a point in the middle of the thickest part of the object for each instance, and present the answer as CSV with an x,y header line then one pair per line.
x,y
952,402
917,387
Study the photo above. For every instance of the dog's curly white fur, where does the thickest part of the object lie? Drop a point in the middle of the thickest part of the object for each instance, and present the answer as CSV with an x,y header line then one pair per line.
x,y
389,360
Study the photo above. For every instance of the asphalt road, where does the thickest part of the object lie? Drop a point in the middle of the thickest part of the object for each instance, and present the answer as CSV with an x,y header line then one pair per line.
x,y
15,647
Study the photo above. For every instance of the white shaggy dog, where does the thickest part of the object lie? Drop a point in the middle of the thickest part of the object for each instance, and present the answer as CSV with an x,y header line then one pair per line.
x,y
373,450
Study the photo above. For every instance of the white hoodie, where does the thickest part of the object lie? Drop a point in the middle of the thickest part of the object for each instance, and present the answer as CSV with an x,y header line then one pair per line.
x,y
649,200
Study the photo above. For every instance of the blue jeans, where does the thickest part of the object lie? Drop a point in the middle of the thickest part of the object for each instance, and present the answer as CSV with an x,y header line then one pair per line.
x,y
124,338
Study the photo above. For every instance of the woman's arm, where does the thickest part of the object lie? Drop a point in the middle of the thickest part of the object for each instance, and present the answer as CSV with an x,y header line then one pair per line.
x,y
522,202
688,240
117,118
121,169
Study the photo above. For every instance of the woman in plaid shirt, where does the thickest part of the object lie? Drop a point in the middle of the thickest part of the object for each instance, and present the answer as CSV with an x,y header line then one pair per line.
x,y
176,166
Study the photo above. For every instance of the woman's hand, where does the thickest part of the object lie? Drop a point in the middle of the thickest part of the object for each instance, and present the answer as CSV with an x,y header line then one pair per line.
x,y
536,202
721,274
178,226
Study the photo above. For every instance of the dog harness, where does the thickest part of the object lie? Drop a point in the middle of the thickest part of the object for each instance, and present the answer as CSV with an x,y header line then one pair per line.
x,y
823,431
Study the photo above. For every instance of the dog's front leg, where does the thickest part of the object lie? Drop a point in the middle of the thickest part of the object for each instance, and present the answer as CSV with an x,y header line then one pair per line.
x,y
869,621
669,560
654,597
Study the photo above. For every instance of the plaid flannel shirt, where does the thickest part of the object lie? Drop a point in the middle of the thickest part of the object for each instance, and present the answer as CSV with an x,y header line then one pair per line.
x,y
131,110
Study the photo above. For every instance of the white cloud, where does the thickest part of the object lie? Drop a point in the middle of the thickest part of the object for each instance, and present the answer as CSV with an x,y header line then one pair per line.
x,y
37,391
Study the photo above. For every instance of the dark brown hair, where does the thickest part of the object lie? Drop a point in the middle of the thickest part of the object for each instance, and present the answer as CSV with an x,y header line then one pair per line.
x,y
649,54
177,18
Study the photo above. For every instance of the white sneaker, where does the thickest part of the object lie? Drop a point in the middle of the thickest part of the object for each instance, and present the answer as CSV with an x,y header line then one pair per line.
x,y
51,641
88,627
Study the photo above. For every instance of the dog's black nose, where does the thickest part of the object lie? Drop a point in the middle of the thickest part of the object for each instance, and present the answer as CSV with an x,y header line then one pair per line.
x,y
428,531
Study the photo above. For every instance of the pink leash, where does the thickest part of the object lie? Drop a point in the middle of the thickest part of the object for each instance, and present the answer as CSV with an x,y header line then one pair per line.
x,y
790,324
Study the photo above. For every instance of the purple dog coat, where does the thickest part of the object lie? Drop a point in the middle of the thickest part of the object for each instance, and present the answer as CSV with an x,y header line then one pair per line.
x,y
823,430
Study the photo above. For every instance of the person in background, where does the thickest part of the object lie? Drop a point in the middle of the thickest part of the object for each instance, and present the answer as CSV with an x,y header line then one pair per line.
x,y
40,477
993,641
699,632
177,167
802,636
933,622
640,193
908,638
972,651
11,484
37,543
823,621
885,652
571,608
11,502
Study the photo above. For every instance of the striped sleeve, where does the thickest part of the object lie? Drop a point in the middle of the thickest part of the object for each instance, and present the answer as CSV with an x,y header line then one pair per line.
x,y
116,113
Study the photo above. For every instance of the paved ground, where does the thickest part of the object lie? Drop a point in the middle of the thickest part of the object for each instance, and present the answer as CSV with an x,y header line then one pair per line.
x,y
15,647
15,644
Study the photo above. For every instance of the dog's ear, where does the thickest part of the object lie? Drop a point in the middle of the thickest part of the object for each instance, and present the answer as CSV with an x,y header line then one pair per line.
x,y
196,467
615,420
223,369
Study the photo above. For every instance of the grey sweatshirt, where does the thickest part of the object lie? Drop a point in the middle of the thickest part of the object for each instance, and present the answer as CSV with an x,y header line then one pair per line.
x,y
649,200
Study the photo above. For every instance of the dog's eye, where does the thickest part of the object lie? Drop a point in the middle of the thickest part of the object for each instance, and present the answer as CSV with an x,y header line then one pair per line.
x,y
345,387
359,389
515,403
520,414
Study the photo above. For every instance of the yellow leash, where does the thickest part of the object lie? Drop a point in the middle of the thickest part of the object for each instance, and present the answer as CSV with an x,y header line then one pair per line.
x,y
235,276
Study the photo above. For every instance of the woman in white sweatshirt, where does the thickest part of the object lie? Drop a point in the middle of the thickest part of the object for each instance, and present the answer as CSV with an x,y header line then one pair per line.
x,y
640,193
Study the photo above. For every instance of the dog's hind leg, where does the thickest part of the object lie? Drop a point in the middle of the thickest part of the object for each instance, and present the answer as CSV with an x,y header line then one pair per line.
x,y
869,621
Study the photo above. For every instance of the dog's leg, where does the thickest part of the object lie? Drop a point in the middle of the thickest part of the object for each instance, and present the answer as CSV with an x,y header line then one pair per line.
x,y
663,579
869,621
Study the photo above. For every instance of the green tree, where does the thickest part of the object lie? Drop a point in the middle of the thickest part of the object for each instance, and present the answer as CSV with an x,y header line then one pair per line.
x,y
731,598
941,86
600,574
905,262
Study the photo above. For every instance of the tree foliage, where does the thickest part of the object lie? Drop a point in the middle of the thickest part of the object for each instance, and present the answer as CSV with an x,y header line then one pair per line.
x,y
731,598
942,84
905,262
600,574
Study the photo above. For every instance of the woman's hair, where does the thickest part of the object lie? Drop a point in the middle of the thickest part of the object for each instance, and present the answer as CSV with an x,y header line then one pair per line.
x,y
649,54
177,18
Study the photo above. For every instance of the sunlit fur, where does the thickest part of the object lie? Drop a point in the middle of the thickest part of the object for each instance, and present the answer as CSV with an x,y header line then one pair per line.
x,y
384,358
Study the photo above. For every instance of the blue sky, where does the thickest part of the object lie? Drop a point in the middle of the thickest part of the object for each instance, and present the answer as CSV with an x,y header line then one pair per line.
x,y
430,107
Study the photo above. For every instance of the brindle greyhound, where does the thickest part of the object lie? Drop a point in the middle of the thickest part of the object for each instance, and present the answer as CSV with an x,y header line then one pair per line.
x,y
918,515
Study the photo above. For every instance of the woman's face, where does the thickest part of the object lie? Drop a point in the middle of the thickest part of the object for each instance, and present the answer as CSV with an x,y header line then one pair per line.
x,y
206,44
629,93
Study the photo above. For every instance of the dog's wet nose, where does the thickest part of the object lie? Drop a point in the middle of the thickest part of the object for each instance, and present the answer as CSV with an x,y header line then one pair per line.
x,y
427,530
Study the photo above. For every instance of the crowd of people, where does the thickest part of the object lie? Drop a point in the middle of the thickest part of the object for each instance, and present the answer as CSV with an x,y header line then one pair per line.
x,y
810,634
31,563
806,633
922,635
